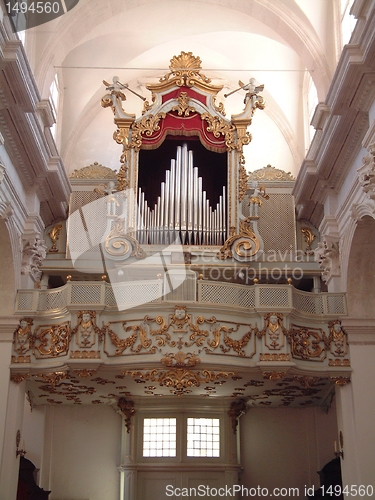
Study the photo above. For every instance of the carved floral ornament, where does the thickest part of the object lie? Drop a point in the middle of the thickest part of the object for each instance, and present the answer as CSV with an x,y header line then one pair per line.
x,y
366,174
34,252
327,255
179,341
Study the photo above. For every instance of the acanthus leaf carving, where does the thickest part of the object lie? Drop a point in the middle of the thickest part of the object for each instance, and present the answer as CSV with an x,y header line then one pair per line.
x,y
327,255
34,252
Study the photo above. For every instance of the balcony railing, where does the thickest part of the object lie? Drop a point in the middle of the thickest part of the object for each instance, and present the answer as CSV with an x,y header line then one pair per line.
x,y
102,295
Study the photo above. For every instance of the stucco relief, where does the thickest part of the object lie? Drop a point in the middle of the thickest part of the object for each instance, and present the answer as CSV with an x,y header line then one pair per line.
x,y
33,254
327,256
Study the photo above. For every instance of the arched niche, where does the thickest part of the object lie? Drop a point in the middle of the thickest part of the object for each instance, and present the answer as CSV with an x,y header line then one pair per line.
x,y
361,271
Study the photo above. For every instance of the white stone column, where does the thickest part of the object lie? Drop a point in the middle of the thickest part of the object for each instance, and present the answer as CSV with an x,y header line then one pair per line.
x,y
12,397
356,407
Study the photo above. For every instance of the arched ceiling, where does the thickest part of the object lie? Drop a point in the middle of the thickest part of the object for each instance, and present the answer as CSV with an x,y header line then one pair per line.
x,y
279,43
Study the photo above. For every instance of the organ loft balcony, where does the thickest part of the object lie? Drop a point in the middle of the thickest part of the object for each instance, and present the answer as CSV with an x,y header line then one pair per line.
x,y
182,273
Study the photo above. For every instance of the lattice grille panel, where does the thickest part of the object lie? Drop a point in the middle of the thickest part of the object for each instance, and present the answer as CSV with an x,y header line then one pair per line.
x,y
52,300
180,292
274,297
276,224
80,198
25,301
136,293
219,293
335,304
86,294
312,304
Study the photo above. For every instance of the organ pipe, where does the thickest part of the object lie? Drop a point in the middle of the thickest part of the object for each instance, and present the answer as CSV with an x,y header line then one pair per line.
x,y
182,210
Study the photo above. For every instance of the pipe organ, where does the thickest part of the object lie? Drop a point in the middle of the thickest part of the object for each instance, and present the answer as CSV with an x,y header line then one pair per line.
x,y
182,213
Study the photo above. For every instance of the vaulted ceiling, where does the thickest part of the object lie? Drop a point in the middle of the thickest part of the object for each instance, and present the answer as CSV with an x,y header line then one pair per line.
x,y
280,43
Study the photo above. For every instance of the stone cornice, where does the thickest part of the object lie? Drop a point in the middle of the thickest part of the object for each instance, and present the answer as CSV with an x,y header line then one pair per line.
x,y
341,121
28,141
8,324
360,331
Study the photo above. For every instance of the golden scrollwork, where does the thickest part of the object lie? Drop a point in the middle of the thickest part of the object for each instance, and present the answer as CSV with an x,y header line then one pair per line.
x,y
94,171
309,237
127,409
237,408
54,234
218,107
51,340
270,173
341,380
219,126
243,179
139,334
236,345
273,375
183,108
147,125
19,377
53,378
306,381
120,244
180,359
179,379
308,343
243,245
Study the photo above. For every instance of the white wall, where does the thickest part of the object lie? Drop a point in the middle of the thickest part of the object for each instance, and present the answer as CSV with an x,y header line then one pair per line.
x,y
285,447
82,451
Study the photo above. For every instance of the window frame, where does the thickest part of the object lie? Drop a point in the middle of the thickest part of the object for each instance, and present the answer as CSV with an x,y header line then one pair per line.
x,y
181,437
